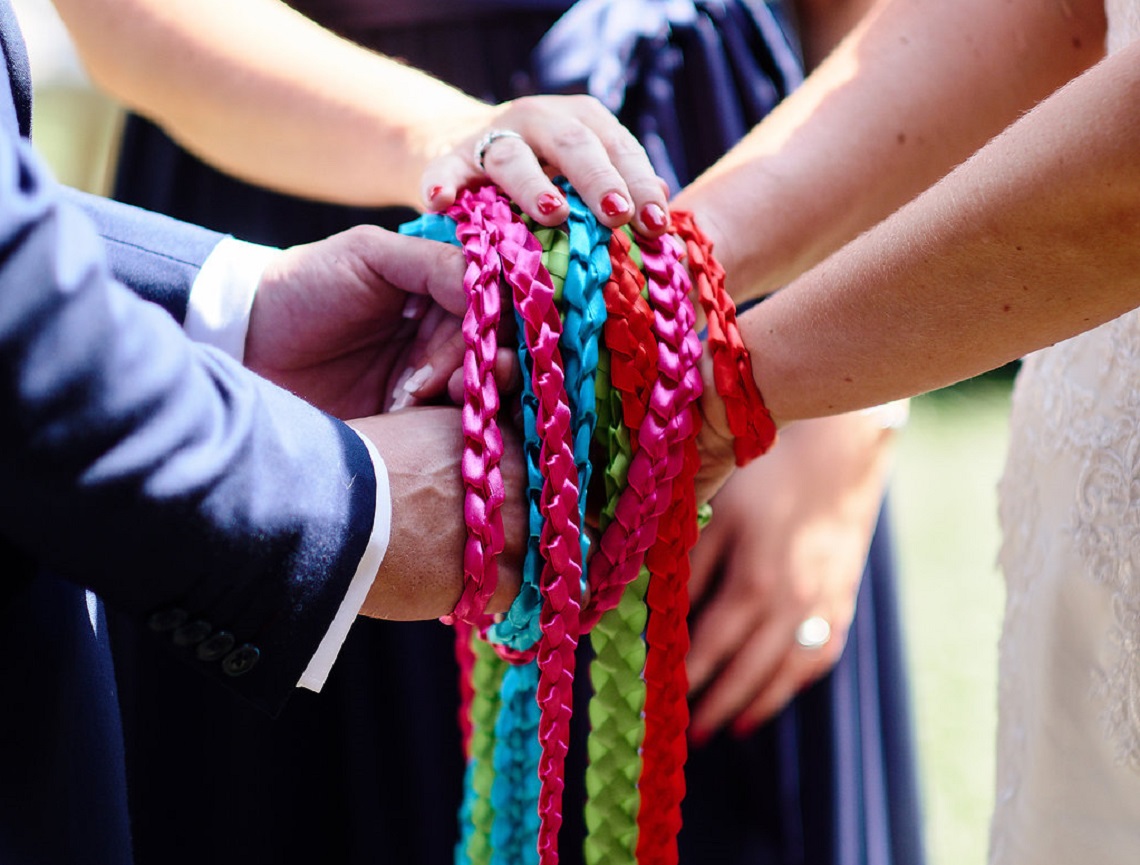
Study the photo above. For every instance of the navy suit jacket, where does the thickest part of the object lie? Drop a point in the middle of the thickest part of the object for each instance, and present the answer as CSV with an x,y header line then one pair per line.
x,y
136,467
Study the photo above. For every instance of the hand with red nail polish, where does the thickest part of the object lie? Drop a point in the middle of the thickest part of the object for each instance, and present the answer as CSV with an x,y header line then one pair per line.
x,y
521,144
788,541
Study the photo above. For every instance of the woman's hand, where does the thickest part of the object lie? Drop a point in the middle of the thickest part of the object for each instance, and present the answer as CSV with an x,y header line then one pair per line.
x,y
521,144
788,541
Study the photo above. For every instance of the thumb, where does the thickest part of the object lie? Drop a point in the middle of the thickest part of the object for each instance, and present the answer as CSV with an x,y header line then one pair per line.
x,y
416,265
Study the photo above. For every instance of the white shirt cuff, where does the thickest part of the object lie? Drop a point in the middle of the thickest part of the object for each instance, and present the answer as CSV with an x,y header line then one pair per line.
x,y
217,312
318,670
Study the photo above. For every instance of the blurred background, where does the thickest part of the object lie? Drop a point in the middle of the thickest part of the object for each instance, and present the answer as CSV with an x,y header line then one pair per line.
x,y
944,499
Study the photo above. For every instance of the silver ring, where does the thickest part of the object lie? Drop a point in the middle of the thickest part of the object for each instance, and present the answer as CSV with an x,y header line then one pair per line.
x,y
490,138
813,632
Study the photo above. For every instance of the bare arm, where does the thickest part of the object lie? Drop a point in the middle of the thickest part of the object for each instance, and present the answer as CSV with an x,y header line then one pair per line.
x,y
1031,241
917,87
264,93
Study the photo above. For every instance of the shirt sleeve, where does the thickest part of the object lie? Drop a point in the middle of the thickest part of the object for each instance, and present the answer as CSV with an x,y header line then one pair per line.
x,y
317,672
221,296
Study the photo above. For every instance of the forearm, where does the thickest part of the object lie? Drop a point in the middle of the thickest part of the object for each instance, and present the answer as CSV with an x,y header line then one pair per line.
x,y
908,95
1031,241
266,94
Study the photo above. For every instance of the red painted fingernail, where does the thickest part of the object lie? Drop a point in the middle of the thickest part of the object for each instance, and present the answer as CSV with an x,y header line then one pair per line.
x,y
653,216
614,204
548,202
434,191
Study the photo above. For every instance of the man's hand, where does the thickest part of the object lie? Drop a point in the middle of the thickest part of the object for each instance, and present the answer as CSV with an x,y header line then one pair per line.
x,y
422,573
341,321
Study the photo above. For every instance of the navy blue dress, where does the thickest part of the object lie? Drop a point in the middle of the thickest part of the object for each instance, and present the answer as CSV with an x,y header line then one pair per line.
x,y
371,769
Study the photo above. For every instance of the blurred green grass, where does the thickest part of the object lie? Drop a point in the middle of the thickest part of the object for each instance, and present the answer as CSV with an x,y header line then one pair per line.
x,y
944,495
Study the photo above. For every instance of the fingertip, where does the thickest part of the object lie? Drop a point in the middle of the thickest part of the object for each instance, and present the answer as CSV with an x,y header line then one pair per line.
x,y
615,208
652,220
438,197
455,387
550,204
415,307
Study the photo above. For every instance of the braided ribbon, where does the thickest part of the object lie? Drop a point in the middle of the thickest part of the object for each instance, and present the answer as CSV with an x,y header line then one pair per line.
x,y
483,442
658,460
751,424
516,636
518,751
636,393
560,541
617,726
679,350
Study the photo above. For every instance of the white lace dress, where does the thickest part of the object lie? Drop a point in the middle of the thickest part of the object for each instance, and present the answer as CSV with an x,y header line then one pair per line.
x,y
1068,756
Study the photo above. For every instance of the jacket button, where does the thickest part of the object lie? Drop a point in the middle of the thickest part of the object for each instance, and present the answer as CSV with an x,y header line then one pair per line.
x,y
241,660
216,647
167,620
192,633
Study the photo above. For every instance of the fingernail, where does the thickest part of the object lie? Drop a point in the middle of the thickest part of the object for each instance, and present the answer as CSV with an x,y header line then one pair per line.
x,y
415,306
653,216
433,192
419,377
614,204
548,202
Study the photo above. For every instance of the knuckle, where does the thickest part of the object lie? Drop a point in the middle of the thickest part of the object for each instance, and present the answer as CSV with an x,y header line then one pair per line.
x,y
503,153
572,136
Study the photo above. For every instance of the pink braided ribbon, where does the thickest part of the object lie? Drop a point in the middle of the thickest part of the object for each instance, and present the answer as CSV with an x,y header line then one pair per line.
x,y
520,254
483,441
621,549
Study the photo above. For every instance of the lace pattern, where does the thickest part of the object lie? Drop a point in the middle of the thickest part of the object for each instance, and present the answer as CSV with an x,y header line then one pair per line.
x,y
1075,433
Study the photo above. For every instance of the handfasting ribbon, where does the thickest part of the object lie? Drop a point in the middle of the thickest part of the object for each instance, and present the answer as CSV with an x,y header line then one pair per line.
x,y
515,792
658,460
533,293
483,442
577,261
679,349
467,225
751,425
616,709
477,814
518,632
585,316
517,749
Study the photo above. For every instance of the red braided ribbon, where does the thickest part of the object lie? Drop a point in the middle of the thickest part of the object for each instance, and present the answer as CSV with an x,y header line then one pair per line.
x,y
749,421
665,749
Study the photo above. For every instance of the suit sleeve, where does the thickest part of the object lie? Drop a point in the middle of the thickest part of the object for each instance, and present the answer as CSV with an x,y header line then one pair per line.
x,y
156,256
225,514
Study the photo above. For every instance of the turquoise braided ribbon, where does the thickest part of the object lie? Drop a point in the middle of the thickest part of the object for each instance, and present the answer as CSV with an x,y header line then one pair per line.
x,y
585,316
